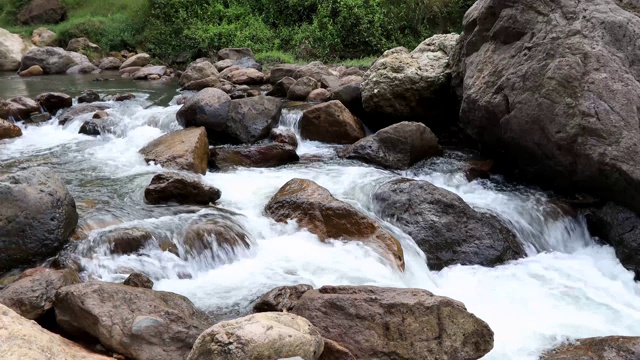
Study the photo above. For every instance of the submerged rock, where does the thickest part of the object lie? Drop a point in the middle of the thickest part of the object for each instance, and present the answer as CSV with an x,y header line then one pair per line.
x,y
88,96
604,348
178,188
331,122
54,101
186,150
260,156
34,70
125,241
19,107
220,238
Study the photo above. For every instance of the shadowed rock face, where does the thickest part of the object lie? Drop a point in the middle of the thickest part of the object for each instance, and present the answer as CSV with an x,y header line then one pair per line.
x,y
551,89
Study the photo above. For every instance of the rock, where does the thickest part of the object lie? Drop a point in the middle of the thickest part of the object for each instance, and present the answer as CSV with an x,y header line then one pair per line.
x,y
94,127
335,351
71,114
284,136
301,89
100,114
224,73
331,122
12,47
32,296
388,323
35,70
84,68
42,12
604,348
620,228
37,216
147,71
315,70
223,64
110,63
350,95
124,241
19,108
219,238
246,76
235,53
25,339
529,97
329,82
138,323
208,108
259,156
199,75
141,60
119,97
249,120
416,85
315,209
42,37
38,118
88,96
248,63
352,71
398,146
318,95
262,336
139,281
82,44
282,71
178,188
186,150
448,230
281,299
358,80
127,72
154,77
281,88
54,101
79,59
9,130
52,60
478,169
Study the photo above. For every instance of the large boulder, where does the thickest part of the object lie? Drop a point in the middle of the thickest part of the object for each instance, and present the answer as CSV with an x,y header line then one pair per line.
x,y
235,53
53,60
263,336
260,156
138,323
301,89
148,71
42,37
32,296
412,85
282,71
54,101
388,323
82,44
350,95
34,70
199,75
181,189
397,147
447,229
37,216
141,60
21,338
19,108
42,12
315,209
72,113
110,63
9,130
186,150
281,88
246,76
331,122
208,108
605,348
555,100
12,47
315,70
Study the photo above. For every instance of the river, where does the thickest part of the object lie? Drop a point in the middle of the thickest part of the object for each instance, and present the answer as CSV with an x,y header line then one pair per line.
x,y
568,286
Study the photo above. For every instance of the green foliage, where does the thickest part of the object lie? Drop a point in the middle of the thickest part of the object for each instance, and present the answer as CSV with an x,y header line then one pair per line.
x,y
9,9
275,57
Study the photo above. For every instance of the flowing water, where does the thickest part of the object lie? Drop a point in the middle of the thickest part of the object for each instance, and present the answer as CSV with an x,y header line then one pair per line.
x,y
568,287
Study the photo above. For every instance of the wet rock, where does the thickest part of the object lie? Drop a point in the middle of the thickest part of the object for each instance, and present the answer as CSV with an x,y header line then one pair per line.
x,y
54,101
125,241
223,64
282,71
24,339
52,60
110,63
235,53
604,348
199,75
259,156
42,12
281,88
19,108
388,323
32,295
9,130
284,136
100,114
478,169
42,37
147,71
12,47
119,97
208,108
70,114
178,188
186,150
350,95
315,209
246,76
301,89
35,70
82,44
155,326
335,351
220,238
93,127
398,146
139,281
250,120
331,122
315,70
141,60
37,216
281,299
318,95
84,68
448,230
37,118
259,336
88,96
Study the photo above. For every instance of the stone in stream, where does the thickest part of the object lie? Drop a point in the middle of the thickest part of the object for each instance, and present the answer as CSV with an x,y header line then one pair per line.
x,y
178,188
301,89
138,323
284,136
263,336
35,70
281,88
282,299
388,323
19,107
9,130
331,122
141,60
603,348
235,53
139,281
208,108
350,95
186,150
110,63
21,338
68,115
37,216
259,156
125,241
37,118
221,238
282,71
315,209
148,71
398,146
85,68
42,12
52,60
88,96
54,101
199,75
32,295
448,230
119,97
12,47
91,128
82,44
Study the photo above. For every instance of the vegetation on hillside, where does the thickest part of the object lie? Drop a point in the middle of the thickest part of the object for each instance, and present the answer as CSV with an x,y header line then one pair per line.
x,y
179,30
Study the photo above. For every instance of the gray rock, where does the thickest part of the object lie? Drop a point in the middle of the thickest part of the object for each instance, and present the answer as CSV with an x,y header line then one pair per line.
x,y
178,188
302,88
199,75
250,120
84,68
235,53
70,114
248,63
259,156
208,108
80,44
110,63
52,60
281,88
141,60
331,122
138,280
282,71
147,71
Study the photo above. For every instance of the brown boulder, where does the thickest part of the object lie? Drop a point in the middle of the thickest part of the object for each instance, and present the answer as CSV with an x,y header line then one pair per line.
x,y
315,209
246,76
235,53
301,89
284,136
19,107
281,88
186,149
331,122
282,71
42,12
260,156
219,237
318,95
110,63
9,130
141,60
605,348
178,188
335,351
315,70
80,109
125,241
139,281
54,101
34,70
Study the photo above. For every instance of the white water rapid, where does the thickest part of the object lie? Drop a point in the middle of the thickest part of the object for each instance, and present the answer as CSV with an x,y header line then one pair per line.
x,y
568,287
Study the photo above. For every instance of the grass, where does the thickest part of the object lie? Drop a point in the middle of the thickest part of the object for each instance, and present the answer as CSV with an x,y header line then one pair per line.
x,y
362,63
276,57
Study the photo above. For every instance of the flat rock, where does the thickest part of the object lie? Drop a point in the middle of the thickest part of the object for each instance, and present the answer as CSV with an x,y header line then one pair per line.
x,y
186,150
